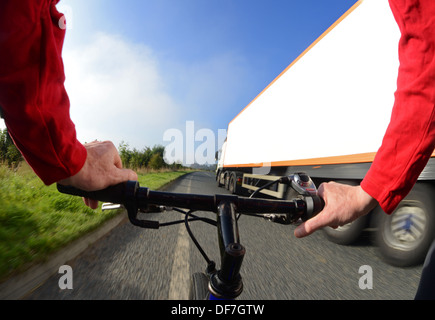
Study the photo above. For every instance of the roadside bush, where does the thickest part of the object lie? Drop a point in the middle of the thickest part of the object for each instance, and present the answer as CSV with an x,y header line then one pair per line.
x,y
148,158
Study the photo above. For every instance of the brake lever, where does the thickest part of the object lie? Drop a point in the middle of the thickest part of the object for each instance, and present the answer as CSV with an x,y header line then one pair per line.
x,y
111,206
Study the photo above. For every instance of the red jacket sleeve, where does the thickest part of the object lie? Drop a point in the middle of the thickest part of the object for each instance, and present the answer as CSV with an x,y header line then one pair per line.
x,y
33,99
409,140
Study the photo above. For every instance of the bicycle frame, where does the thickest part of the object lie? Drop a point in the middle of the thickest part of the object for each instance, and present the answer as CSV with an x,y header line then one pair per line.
x,y
225,283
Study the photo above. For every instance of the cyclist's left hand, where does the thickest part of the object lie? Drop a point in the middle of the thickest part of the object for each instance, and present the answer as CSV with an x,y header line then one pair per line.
x,y
102,168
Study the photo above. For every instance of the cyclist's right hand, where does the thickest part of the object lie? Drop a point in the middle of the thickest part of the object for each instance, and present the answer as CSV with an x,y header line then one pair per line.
x,y
343,204
102,168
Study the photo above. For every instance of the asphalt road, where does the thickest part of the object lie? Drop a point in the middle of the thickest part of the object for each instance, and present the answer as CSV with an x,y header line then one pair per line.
x,y
133,263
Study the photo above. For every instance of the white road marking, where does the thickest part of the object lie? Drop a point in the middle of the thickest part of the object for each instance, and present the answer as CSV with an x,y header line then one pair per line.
x,y
180,275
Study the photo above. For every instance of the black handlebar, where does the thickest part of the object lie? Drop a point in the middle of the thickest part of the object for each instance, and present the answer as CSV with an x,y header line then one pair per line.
x,y
113,194
132,196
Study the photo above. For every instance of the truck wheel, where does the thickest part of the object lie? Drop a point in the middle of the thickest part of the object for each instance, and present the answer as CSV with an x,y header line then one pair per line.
x,y
347,234
218,179
404,236
227,180
231,184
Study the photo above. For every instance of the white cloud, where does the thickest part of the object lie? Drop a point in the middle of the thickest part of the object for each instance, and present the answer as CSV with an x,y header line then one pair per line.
x,y
117,92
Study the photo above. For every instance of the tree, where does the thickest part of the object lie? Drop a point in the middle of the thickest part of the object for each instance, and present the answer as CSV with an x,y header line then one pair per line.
x,y
3,145
125,154
156,161
8,151
147,158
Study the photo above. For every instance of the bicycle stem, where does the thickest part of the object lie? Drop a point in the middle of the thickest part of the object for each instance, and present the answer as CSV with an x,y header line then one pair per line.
x,y
227,283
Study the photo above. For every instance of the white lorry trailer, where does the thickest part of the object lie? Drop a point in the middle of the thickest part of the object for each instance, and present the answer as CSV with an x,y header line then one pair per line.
x,y
326,115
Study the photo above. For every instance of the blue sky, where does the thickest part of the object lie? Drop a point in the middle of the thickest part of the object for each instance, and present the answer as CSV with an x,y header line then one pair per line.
x,y
136,68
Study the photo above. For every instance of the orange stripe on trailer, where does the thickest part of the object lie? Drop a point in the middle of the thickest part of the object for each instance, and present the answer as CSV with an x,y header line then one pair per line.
x,y
305,51
351,158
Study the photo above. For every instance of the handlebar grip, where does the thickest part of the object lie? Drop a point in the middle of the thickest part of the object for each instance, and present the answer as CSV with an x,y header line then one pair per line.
x,y
315,205
123,193
115,194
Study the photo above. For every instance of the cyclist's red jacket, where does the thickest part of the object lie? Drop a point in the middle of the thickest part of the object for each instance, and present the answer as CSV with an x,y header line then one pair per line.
x,y
36,106
410,137
33,99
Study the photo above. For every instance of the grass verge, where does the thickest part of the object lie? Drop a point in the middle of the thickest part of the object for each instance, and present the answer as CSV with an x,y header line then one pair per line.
x,y
36,220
